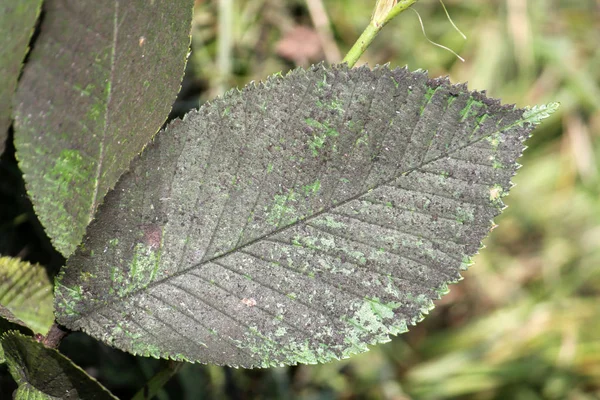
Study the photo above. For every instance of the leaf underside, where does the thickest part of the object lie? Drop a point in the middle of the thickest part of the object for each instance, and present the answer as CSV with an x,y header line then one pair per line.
x,y
17,20
297,221
98,84
44,373
26,294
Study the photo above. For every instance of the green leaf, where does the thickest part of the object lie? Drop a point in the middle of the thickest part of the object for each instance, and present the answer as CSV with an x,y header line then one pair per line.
x,y
27,392
537,114
8,322
97,86
26,294
43,373
297,221
17,20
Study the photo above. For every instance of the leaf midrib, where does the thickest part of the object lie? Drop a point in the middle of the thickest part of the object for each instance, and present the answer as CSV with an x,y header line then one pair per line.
x,y
113,56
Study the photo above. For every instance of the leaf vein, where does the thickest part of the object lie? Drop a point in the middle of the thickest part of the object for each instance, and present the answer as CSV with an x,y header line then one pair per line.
x,y
113,57
192,317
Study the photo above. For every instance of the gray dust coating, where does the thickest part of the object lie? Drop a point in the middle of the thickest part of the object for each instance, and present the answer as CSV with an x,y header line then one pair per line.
x,y
295,221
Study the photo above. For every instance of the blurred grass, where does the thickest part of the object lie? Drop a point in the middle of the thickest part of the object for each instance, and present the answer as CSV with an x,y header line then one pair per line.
x,y
525,321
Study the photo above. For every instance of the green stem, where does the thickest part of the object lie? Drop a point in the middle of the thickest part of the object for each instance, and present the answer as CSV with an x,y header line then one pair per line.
x,y
375,25
398,8
361,45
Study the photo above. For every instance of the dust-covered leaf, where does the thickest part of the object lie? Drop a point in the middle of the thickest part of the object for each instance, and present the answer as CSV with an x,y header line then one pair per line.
x,y
297,221
17,20
43,373
98,85
26,294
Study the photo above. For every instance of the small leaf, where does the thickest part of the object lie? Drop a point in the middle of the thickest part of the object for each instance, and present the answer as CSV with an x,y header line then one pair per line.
x,y
26,294
43,373
98,85
17,20
298,221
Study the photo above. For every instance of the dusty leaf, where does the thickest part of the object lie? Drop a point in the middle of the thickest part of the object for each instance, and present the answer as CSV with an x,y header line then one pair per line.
x,y
17,20
26,294
296,221
43,373
98,85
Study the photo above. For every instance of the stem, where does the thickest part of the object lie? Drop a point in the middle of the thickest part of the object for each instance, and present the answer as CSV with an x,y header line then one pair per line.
x,y
385,11
156,383
398,8
54,336
361,44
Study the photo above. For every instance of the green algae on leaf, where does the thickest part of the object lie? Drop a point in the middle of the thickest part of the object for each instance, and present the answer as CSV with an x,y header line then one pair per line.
x,y
45,374
274,247
17,20
84,107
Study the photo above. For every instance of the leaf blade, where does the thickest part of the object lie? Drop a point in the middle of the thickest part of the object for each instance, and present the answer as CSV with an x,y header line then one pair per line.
x,y
44,373
301,234
92,95
17,20
26,293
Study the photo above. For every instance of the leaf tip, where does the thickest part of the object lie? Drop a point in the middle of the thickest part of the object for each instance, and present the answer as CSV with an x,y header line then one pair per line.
x,y
536,114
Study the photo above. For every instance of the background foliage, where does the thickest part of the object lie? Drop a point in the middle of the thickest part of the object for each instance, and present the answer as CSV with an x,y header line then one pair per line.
x,y
525,322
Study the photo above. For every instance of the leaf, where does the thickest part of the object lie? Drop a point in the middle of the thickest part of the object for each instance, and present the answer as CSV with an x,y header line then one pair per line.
x,y
17,20
26,294
43,373
97,86
8,322
297,221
